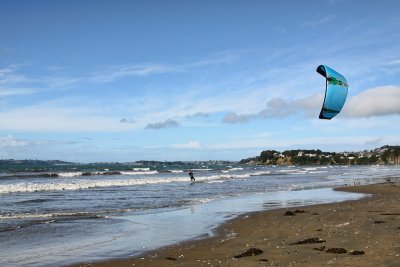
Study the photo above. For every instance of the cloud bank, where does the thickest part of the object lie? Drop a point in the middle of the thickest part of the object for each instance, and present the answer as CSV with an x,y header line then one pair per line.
x,y
379,101
161,125
127,120
279,108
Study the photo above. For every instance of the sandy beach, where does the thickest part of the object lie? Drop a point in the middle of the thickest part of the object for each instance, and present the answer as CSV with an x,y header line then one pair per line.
x,y
364,232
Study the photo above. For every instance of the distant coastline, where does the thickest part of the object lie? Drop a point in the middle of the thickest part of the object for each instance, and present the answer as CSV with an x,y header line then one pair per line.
x,y
383,156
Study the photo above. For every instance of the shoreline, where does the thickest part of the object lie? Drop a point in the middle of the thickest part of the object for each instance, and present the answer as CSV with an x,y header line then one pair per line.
x,y
369,227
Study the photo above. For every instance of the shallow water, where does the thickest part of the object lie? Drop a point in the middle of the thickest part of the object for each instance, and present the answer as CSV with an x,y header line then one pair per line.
x,y
69,218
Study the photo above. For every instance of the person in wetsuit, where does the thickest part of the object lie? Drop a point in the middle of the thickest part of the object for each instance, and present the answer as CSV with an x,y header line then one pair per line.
x,y
191,176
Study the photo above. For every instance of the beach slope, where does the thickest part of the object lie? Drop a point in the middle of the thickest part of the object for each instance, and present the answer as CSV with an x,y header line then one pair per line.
x,y
365,232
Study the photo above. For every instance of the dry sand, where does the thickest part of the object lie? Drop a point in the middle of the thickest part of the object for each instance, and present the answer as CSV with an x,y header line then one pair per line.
x,y
370,227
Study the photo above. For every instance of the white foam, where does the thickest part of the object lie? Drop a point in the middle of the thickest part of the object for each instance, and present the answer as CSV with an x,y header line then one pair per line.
x,y
236,169
141,169
78,184
69,174
176,171
81,184
216,181
302,171
203,200
286,171
13,216
310,169
260,173
135,172
23,216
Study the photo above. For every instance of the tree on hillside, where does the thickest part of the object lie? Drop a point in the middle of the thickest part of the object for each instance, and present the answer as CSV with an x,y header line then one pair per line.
x,y
268,155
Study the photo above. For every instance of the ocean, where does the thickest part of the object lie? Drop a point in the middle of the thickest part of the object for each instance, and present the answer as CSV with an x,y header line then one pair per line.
x,y
68,214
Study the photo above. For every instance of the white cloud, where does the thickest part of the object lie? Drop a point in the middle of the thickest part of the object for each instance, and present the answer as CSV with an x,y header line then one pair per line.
x,y
113,73
13,83
16,91
310,105
393,62
13,76
9,75
276,107
189,145
280,108
235,118
217,60
10,141
197,115
162,125
191,105
321,20
127,120
48,117
60,81
379,101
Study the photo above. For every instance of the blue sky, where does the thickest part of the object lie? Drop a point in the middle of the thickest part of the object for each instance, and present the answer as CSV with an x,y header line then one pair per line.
x,y
122,81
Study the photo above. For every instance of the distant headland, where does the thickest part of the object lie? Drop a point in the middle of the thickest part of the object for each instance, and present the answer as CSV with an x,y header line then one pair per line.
x,y
383,155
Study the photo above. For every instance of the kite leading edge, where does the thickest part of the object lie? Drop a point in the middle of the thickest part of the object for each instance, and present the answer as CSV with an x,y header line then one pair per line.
x,y
335,93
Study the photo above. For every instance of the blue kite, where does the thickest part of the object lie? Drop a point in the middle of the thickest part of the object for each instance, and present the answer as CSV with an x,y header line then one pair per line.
x,y
335,93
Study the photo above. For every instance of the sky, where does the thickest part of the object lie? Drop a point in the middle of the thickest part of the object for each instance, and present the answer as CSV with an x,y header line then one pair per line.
x,y
121,81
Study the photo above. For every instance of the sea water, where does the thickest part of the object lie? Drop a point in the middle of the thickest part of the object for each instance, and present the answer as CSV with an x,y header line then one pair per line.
x,y
69,215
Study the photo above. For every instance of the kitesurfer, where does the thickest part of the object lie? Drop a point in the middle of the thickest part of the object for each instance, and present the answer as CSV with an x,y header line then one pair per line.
x,y
191,176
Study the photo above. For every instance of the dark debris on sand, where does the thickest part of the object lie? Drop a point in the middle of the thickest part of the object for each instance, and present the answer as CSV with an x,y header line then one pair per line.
x,y
356,252
292,213
299,211
249,252
312,240
336,250
171,258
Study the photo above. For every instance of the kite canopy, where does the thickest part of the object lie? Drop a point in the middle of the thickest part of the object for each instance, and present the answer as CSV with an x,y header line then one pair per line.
x,y
335,93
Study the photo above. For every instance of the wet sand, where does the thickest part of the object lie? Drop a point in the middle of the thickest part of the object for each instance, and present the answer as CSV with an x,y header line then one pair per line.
x,y
318,235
